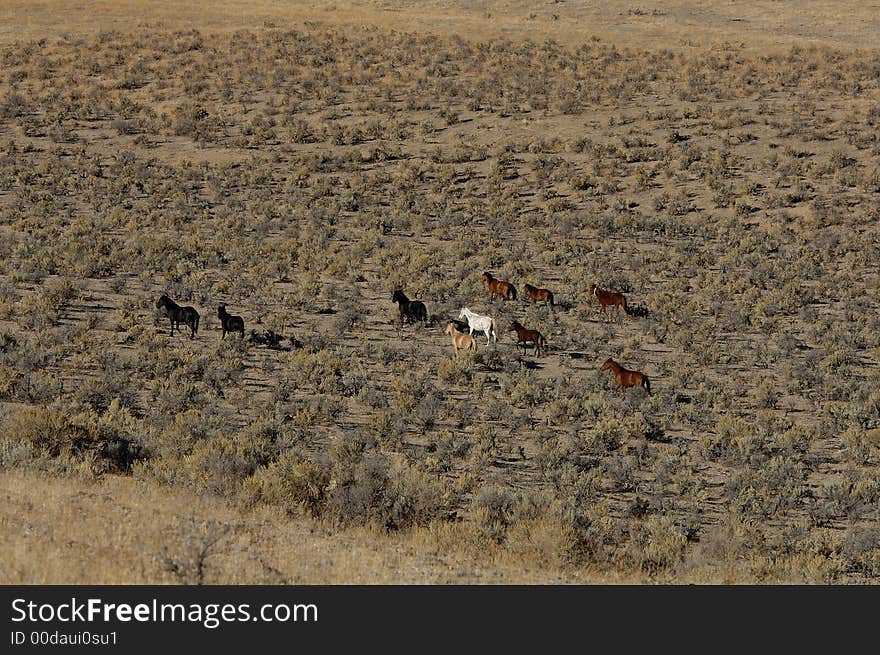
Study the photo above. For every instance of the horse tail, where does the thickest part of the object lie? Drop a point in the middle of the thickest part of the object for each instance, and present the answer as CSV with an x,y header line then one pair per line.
x,y
512,291
196,323
550,297
626,308
646,383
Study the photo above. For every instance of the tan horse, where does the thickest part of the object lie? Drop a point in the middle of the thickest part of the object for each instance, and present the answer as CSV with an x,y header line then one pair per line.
x,y
613,298
626,378
460,341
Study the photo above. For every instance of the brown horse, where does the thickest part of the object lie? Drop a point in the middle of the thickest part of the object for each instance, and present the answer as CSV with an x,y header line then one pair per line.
x,y
460,341
498,287
539,295
524,336
613,298
626,378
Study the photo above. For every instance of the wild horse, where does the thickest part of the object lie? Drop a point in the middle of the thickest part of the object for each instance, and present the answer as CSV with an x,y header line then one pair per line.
x,y
177,315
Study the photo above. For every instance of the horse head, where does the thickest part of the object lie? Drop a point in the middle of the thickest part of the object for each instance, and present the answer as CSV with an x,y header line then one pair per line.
x,y
608,364
449,329
514,326
163,300
486,277
463,313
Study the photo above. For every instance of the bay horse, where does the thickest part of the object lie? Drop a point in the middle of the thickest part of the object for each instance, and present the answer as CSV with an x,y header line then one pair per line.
x,y
479,322
460,341
410,310
524,336
626,378
613,298
498,287
539,295
229,322
177,315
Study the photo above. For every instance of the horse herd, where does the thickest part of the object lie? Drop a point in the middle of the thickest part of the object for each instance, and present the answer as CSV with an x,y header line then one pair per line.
x,y
415,310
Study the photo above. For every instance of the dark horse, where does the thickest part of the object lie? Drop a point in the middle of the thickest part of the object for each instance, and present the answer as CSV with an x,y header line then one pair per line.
x,y
410,310
177,315
498,287
524,336
626,378
539,295
229,322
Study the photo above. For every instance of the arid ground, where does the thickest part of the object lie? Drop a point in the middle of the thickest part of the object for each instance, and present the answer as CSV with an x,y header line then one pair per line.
x,y
298,162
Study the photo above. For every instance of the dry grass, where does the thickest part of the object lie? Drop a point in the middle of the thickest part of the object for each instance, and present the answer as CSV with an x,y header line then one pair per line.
x,y
119,531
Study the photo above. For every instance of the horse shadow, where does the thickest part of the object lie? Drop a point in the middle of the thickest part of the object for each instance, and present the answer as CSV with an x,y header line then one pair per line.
x,y
529,364
274,341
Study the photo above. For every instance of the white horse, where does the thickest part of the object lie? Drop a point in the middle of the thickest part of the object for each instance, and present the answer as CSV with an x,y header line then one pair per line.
x,y
479,322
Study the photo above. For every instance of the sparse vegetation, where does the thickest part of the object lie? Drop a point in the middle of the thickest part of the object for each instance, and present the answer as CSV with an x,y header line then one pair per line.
x,y
301,177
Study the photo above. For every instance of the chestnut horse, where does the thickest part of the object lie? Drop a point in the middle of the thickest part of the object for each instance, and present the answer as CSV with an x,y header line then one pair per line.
x,y
498,287
626,378
613,298
460,341
539,295
524,336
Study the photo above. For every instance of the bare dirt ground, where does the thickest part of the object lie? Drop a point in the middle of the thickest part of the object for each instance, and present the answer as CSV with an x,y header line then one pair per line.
x,y
767,25
717,163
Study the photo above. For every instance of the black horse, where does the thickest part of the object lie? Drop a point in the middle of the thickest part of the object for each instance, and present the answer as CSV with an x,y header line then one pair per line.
x,y
177,315
410,310
229,322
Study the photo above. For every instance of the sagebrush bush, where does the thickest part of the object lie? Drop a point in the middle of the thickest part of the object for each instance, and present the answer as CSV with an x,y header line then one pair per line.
x,y
106,443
